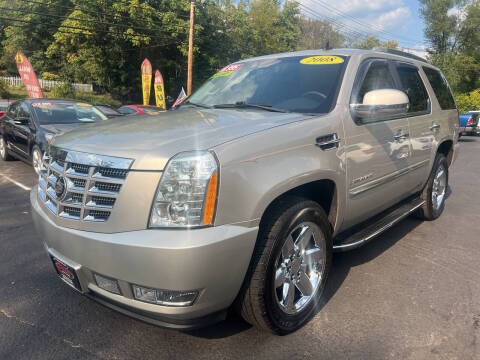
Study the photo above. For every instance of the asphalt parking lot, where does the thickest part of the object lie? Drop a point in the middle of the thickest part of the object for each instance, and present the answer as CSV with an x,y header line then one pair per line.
x,y
413,293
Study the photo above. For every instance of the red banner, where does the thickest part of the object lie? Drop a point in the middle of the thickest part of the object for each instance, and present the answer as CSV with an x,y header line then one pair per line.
x,y
28,76
159,90
146,80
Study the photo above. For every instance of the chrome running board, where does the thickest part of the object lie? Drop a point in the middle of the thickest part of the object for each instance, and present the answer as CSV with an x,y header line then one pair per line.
x,y
348,240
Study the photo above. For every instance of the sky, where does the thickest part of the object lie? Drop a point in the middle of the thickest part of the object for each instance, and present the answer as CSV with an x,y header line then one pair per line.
x,y
389,19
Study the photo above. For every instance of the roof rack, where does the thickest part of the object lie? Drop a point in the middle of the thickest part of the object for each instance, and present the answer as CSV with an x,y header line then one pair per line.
x,y
400,53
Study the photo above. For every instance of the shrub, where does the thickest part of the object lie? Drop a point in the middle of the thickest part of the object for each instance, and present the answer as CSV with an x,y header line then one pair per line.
x,y
4,93
63,91
469,101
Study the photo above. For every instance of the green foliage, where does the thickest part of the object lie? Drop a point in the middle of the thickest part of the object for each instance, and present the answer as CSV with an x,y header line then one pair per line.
x,y
4,93
373,41
453,31
63,91
50,76
469,101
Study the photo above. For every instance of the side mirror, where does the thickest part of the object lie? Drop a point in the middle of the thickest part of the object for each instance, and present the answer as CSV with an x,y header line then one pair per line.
x,y
22,120
381,104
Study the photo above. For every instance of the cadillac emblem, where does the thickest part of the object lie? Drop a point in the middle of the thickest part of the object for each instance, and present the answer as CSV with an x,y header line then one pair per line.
x,y
60,188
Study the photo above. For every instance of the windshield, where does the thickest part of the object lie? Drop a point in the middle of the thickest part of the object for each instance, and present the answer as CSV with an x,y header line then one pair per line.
x,y
57,112
302,84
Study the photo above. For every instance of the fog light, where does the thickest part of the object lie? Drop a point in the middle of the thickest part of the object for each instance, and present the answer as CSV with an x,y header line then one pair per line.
x,y
110,285
164,297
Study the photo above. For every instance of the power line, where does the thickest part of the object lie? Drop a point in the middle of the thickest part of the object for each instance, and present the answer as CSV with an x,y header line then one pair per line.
x,y
122,51
96,12
357,32
88,20
79,28
372,27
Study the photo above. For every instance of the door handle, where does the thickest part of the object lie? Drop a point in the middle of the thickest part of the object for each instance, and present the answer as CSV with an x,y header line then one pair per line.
x,y
434,127
401,136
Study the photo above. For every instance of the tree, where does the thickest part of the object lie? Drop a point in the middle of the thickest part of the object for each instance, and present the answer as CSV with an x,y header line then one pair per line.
x,y
373,41
319,34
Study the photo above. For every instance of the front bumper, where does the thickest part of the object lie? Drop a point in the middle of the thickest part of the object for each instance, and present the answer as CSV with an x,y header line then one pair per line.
x,y
211,260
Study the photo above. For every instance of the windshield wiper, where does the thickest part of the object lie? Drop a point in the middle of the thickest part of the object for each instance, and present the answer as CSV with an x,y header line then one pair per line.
x,y
195,104
243,105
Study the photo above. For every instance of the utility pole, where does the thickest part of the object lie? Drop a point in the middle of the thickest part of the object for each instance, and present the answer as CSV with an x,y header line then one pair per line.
x,y
190,48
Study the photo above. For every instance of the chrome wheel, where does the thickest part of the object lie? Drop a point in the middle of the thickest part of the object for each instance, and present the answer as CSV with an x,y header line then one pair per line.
x,y
3,148
37,161
439,187
299,268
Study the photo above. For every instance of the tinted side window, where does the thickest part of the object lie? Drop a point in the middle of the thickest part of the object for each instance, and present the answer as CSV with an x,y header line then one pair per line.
x,y
23,111
12,111
412,85
440,88
378,77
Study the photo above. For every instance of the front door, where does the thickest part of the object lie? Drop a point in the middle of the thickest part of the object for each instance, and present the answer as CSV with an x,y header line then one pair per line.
x,y
377,150
22,132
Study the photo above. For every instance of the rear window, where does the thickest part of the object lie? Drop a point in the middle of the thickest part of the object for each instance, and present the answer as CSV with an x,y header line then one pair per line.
x,y
440,88
107,110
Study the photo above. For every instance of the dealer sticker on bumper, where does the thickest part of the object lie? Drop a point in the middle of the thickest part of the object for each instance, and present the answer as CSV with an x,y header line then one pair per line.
x,y
66,273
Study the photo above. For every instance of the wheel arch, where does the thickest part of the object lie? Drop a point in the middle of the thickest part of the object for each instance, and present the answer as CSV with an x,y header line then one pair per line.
x,y
323,191
446,148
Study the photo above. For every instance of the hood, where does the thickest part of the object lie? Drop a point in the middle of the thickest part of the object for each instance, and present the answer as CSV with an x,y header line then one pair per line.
x,y
58,128
152,139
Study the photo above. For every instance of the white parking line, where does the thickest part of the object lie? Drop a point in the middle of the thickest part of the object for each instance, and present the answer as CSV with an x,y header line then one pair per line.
x,y
26,188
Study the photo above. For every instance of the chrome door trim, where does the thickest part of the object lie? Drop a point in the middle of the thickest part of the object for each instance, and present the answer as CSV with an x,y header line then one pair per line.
x,y
385,179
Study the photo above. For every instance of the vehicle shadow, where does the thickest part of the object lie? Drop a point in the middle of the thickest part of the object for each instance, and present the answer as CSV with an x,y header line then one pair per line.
x,y
342,263
463,139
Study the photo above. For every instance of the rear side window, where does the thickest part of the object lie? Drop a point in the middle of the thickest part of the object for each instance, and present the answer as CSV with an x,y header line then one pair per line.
x,y
411,84
12,111
440,88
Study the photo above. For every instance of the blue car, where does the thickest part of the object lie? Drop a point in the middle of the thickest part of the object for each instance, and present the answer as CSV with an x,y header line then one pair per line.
x,y
469,123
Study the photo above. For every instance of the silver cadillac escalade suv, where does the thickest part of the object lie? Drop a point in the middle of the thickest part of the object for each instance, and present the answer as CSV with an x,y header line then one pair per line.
x,y
239,197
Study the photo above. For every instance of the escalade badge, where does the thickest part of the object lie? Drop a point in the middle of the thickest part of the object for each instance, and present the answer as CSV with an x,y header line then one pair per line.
x,y
60,188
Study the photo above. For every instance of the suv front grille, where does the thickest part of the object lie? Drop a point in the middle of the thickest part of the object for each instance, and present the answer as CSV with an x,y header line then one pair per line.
x,y
81,186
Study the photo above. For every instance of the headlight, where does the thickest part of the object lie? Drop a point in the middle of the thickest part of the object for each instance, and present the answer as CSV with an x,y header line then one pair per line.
x,y
187,191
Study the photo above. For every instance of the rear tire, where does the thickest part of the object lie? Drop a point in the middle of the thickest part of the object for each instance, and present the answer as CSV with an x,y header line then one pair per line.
x,y
4,150
435,190
289,268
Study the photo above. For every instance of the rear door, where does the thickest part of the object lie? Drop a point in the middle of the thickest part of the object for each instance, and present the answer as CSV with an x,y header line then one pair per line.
x,y
377,152
421,124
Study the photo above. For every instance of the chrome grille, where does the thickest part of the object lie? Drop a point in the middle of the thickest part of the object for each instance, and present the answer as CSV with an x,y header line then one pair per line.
x,y
90,184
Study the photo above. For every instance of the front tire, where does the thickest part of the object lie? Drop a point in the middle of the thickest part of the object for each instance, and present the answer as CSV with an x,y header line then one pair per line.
x,y
435,190
4,150
289,268
37,159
